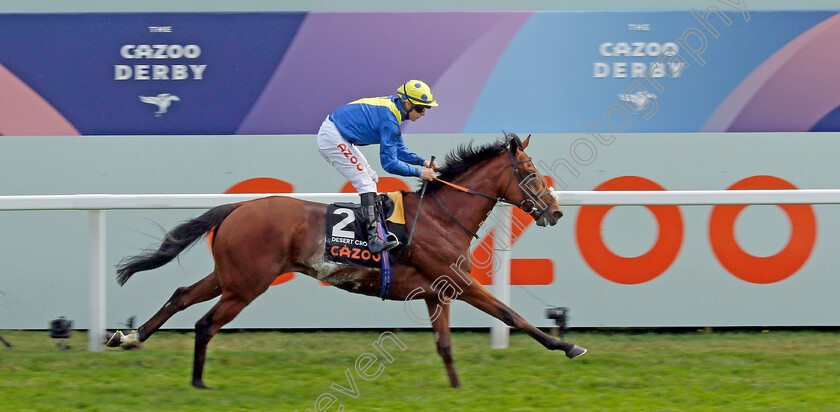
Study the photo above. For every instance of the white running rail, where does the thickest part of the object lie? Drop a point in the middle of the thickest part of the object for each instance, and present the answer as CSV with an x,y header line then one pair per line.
x,y
96,204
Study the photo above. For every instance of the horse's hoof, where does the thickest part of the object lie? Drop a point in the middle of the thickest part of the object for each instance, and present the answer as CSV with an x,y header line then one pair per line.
x,y
115,340
200,385
575,351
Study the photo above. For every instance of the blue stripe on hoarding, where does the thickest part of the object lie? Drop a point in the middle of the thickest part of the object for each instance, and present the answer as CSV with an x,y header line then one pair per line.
x,y
74,60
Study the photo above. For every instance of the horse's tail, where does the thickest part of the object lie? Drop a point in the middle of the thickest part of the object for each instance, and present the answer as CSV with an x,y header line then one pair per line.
x,y
175,242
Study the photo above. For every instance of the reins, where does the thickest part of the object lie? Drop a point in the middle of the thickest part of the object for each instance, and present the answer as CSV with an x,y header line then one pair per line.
x,y
475,235
473,192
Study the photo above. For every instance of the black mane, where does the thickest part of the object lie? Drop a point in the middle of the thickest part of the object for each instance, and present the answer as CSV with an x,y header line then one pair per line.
x,y
465,157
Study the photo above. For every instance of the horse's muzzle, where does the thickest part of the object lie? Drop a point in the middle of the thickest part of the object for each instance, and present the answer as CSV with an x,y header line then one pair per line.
x,y
550,219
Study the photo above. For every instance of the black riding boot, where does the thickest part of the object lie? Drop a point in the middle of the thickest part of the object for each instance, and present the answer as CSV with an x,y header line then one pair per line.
x,y
375,243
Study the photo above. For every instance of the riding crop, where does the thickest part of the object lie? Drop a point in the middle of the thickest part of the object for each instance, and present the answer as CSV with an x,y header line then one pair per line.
x,y
420,203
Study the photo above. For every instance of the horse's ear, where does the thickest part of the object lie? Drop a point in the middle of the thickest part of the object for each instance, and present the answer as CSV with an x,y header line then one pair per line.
x,y
525,143
515,143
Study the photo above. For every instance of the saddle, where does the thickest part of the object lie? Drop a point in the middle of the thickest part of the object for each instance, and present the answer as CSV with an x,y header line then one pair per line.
x,y
346,238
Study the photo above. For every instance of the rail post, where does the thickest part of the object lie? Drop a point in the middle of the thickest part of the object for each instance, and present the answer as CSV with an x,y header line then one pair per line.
x,y
96,330
502,243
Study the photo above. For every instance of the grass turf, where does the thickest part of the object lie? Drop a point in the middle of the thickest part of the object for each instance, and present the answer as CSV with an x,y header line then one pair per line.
x,y
267,371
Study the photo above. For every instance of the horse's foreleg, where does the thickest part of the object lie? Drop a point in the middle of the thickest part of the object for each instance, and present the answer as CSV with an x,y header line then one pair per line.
x,y
223,312
439,314
203,290
482,299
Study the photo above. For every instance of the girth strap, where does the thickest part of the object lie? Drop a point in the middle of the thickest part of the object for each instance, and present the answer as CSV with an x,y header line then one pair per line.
x,y
385,279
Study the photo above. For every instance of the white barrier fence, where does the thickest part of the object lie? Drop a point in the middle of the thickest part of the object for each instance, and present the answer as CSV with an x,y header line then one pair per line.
x,y
96,204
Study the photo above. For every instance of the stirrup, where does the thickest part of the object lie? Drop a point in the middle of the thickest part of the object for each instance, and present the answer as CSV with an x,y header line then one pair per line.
x,y
391,237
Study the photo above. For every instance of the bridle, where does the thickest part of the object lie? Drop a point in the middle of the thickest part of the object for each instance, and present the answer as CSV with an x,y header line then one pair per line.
x,y
527,198
528,205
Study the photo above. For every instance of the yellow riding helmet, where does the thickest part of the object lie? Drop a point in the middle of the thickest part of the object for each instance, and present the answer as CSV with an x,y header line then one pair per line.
x,y
417,92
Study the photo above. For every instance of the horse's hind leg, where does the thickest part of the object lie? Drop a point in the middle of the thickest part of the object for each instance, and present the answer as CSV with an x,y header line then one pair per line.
x,y
479,297
184,297
223,312
439,314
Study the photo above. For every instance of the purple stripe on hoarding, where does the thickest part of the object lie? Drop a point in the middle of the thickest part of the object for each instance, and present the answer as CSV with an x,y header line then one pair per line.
x,y
461,84
791,91
336,58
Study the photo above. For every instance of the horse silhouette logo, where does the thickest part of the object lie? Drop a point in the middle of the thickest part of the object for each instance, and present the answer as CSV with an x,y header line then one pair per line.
x,y
638,99
162,101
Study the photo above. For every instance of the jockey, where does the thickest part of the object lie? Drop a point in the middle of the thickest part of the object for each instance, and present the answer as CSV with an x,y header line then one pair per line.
x,y
376,120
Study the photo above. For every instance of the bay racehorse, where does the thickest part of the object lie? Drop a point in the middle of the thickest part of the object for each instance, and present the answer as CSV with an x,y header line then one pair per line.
x,y
255,241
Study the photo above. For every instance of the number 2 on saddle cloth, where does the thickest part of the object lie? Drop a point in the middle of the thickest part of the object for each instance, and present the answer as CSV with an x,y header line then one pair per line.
x,y
346,238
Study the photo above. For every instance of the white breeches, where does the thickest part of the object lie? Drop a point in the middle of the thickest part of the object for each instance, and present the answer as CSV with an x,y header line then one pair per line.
x,y
346,157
